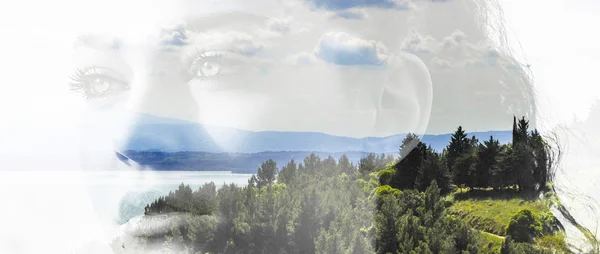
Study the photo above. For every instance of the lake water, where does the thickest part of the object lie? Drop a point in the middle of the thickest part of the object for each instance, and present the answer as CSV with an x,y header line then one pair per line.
x,y
63,210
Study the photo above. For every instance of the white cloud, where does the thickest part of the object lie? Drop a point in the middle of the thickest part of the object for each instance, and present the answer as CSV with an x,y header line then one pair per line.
x,y
440,63
418,44
455,50
174,35
343,49
301,59
280,25
232,41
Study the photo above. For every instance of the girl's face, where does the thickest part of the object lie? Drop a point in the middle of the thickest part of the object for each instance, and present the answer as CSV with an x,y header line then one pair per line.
x,y
357,71
253,72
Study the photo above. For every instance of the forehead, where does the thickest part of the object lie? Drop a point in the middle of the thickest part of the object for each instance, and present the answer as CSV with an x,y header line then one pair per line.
x,y
176,31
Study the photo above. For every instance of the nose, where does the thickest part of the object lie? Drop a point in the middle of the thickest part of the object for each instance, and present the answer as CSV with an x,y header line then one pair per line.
x,y
166,117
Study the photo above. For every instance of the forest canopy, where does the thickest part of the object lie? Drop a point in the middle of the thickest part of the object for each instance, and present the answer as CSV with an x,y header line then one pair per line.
x,y
383,204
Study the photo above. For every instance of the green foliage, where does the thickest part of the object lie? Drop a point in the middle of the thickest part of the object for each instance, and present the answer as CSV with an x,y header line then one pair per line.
x,y
487,162
385,176
457,146
373,163
491,243
387,190
288,173
553,242
511,247
490,211
433,169
378,206
267,173
508,246
412,154
523,226
200,202
345,166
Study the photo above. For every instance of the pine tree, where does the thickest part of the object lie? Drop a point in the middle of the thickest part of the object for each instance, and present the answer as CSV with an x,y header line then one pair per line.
x,y
433,169
456,147
487,160
266,173
522,163
307,224
412,154
367,164
312,163
345,165
463,168
287,173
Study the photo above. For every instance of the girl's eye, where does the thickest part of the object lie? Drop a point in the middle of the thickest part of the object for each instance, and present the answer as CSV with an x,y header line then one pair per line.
x,y
100,85
98,82
209,69
210,64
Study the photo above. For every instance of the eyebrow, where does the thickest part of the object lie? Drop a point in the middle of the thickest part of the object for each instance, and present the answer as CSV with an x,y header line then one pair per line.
x,y
98,42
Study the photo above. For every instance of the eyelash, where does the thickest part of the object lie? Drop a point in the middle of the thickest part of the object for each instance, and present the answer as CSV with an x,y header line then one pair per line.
x,y
227,62
200,58
81,79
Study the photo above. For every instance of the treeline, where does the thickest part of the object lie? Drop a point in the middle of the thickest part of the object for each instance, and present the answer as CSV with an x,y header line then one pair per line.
x,y
380,205
243,163
524,164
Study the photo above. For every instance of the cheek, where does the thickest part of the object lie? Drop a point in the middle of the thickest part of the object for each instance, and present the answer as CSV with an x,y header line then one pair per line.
x,y
112,103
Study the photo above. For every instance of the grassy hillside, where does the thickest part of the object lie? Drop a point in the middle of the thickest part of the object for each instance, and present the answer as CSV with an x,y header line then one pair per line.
x,y
491,211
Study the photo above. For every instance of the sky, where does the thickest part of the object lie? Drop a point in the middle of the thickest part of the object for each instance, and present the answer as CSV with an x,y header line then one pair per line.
x,y
38,113
339,44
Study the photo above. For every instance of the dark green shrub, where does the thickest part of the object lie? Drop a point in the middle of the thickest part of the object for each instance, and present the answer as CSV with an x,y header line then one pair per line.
x,y
385,176
508,246
523,226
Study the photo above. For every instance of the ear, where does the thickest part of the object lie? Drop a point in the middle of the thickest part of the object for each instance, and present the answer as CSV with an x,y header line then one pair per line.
x,y
405,100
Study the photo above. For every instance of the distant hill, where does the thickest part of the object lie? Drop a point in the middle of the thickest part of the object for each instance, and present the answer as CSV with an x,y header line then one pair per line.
x,y
234,162
153,133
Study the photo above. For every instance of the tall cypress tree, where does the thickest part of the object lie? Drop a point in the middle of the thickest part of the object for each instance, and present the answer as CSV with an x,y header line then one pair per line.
x,y
522,131
541,163
514,130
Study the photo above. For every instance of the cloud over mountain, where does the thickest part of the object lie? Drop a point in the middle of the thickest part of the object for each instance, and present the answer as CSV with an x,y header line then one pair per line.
x,y
343,49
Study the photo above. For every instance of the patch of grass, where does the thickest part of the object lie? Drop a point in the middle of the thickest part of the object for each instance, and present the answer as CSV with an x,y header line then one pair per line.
x,y
553,242
491,243
490,211
492,215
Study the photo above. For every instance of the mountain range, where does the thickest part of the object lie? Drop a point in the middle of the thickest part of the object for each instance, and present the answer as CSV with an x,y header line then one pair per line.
x,y
152,133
